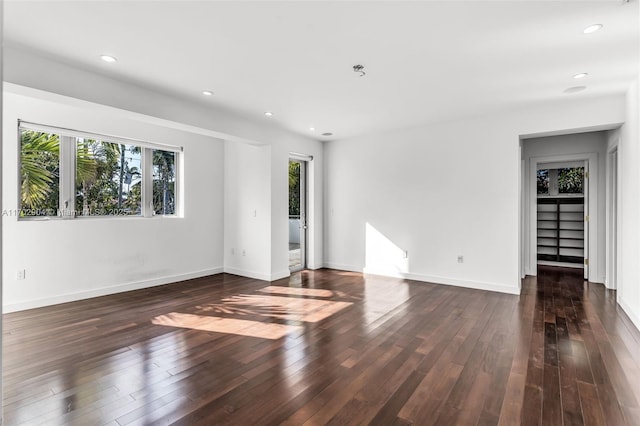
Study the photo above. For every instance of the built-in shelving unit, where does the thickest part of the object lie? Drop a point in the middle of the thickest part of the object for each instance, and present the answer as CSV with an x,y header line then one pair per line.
x,y
561,223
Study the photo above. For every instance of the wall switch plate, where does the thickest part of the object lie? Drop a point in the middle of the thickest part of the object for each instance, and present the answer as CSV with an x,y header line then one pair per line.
x,y
22,274
460,259
244,252
405,254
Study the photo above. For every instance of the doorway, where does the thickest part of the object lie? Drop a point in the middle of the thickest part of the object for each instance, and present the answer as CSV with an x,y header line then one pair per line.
x,y
562,231
297,214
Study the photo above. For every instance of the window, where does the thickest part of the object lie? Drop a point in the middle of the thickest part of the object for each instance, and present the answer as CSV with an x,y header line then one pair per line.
x,y
164,182
39,173
543,182
66,173
565,180
108,179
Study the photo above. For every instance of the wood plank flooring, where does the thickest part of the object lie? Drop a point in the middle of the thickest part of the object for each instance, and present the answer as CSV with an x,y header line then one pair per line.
x,y
327,347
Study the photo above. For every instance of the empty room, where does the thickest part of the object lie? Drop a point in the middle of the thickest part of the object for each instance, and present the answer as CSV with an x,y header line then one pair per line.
x,y
320,212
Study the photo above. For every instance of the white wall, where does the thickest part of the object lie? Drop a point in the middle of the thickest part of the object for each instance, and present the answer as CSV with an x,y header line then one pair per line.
x,y
441,191
136,111
72,259
565,145
629,181
247,210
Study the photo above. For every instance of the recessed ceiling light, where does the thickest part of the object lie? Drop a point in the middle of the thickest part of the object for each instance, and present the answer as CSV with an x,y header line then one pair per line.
x,y
327,134
580,75
311,129
268,114
575,89
592,28
207,92
108,58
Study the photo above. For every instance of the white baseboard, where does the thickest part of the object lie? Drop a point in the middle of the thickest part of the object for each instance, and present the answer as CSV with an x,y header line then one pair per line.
x,y
635,319
428,278
280,275
257,275
342,267
248,274
103,291
478,285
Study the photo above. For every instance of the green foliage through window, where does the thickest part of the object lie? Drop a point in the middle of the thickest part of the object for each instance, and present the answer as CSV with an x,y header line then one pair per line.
x,y
108,177
570,180
39,173
294,188
543,181
164,182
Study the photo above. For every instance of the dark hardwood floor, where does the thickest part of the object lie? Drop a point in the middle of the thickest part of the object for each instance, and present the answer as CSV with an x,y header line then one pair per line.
x,y
327,347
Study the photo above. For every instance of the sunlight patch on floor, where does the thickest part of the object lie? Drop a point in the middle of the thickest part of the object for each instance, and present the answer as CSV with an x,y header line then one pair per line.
x,y
285,308
226,325
249,305
315,292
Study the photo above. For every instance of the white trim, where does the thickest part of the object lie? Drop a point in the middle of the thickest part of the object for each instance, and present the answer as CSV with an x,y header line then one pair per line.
x,y
560,165
342,267
300,157
61,131
612,217
247,274
592,208
432,279
280,275
562,264
627,310
104,291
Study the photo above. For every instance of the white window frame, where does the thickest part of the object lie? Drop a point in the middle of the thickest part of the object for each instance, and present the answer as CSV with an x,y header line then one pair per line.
x,y
67,183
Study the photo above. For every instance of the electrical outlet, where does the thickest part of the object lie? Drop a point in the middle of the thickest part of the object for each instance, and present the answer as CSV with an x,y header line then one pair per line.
x,y
460,259
405,254
244,252
22,274
255,213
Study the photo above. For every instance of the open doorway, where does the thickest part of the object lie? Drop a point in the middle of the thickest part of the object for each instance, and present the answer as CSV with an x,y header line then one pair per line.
x,y
578,236
297,214
562,214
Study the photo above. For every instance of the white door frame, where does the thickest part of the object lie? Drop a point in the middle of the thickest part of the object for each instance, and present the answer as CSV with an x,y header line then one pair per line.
x,y
612,219
592,208
304,209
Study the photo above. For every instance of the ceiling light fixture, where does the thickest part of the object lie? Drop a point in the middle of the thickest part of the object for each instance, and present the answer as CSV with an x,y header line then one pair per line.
x,y
580,75
327,134
207,92
268,114
312,129
108,58
575,89
592,28
359,68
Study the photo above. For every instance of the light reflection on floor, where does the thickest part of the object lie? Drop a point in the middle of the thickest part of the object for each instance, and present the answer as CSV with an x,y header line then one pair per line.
x,y
380,298
226,325
317,292
286,309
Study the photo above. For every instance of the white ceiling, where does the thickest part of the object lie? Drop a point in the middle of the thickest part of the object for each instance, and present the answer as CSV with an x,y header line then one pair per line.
x,y
425,61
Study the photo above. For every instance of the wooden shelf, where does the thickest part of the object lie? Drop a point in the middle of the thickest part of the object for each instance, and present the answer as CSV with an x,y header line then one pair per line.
x,y
553,211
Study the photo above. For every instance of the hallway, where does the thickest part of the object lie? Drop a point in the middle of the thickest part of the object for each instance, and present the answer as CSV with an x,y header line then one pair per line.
x,y
583,364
